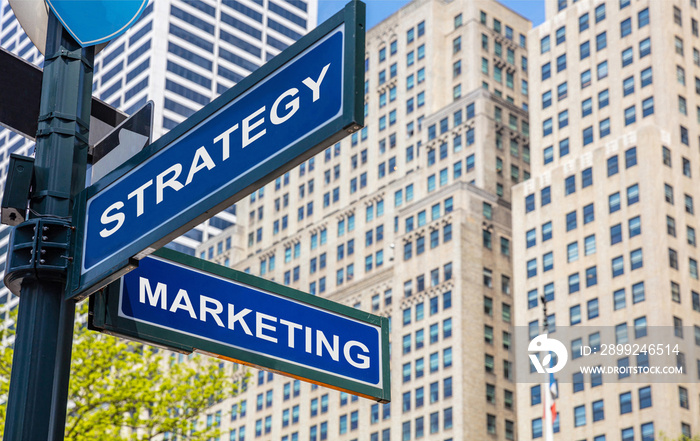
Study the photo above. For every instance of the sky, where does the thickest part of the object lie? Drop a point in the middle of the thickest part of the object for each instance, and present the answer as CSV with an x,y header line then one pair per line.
x,y
378,10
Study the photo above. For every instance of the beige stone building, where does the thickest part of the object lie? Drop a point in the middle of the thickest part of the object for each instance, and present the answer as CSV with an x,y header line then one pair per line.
x,y
607,224
408,218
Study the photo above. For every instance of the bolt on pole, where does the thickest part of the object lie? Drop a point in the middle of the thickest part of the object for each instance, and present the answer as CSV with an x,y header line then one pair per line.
x,y
41,365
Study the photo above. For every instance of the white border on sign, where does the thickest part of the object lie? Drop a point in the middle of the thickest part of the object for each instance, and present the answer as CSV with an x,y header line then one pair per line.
x,y
378,329
340,29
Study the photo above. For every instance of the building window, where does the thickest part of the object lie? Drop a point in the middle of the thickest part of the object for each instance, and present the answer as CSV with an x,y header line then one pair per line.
x,y
585,78
636,259
561,63
600,13
617,266
598,410
574,285
625,27
591,276
628,86
572,252
589,245
570,185
570,221
644,47
547,127
678,43
592,309
545,196
640,327
627,57
546,71
579,416
686,167
537,428
546,231
648,107
545,44
575,315
619,299
584,50
677,18
601,41
563,119
602,70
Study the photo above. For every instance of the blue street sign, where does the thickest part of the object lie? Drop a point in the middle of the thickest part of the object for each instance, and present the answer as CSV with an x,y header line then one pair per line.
x,y
302,101
190,304
97,21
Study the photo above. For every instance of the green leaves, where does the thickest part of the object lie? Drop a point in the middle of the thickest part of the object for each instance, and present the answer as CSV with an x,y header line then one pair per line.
x,y
122,390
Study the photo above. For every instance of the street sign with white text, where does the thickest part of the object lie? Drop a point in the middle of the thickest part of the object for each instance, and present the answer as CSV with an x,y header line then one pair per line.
x,y
188,304
305,99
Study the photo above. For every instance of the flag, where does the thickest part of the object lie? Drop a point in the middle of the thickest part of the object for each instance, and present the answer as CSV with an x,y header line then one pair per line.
x,y
550,407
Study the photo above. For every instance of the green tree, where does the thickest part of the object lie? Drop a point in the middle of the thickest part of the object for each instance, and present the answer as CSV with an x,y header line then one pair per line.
x,y
125,390
5,367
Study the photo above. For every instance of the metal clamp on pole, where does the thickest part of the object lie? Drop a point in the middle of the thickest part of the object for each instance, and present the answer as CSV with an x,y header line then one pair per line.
x,y
38,249
38,257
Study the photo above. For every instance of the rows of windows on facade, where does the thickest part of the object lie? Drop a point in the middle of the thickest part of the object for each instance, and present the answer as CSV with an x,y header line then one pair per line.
x,y
636,397
374,234
373,214
613,162
494,70
387,167
234,32
14,40
209,49
123,70
639,80
616,201
318,409
347,235
600,72
621,298
572,219
518,149
496,64
626,405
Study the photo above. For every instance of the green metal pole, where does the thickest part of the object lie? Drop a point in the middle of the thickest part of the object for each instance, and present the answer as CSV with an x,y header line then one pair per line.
x,y
41,366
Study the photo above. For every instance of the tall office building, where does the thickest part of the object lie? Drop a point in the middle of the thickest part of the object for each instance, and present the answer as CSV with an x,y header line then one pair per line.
x,y
408,218
181,54
184,53
12,39
607,226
